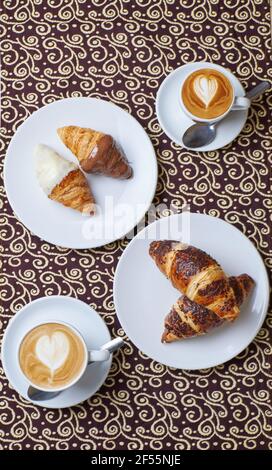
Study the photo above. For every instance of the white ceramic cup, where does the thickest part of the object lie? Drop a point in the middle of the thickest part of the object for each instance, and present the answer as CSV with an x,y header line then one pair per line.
x,y
238,102
90,356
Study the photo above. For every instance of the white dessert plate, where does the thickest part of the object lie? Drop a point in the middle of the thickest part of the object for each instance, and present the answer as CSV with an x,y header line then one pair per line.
x,y
143,296
77,314
121,203
174,121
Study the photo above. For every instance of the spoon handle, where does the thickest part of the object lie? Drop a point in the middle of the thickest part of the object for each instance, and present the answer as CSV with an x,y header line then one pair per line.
x,y
257,90
113,345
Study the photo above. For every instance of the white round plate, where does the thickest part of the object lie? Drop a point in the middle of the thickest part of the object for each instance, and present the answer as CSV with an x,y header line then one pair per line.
x,y
57,308
63,226
174,121
143,296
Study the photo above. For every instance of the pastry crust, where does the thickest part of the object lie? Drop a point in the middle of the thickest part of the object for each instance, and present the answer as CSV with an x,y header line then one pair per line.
x,y
73,191
96,152
188,318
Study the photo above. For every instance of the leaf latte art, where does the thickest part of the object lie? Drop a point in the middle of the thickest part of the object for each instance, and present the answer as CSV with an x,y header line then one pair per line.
x,y
51,356
207,93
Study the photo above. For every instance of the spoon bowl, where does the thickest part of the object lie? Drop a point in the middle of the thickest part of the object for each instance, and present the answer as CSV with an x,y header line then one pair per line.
x,y
199,134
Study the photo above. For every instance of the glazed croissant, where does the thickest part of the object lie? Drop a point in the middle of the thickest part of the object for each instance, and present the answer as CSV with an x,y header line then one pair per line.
x,y
209,297
95,151
188,318
63,181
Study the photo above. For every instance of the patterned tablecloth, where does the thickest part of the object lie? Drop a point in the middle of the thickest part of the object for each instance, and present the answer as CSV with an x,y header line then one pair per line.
x,y
121,50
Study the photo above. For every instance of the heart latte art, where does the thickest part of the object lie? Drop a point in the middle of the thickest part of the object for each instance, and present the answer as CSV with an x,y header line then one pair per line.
x,y
205,88
53,351
207,93
52,355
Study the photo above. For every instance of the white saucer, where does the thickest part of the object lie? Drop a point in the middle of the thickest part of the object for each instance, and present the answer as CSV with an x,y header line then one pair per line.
x,y
173,120
72,311
62,226
144,297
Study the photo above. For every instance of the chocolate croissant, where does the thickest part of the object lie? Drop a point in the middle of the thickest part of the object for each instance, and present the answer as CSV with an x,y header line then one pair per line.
x,y
96,152
188,318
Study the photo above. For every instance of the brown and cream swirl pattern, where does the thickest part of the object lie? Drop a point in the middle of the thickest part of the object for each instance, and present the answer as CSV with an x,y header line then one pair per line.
x,y
121,51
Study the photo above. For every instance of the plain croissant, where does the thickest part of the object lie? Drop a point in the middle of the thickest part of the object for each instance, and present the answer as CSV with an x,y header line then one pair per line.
x,y
96,152
209,297
188,318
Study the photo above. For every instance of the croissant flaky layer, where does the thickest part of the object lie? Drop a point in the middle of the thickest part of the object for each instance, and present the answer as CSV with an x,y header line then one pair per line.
x,y
241,286
188,318
96,152
73,191
197,275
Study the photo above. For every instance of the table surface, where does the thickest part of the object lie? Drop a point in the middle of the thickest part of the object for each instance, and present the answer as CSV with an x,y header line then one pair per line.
x,y
122,51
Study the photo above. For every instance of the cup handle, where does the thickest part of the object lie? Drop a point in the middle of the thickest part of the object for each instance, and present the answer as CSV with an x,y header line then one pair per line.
x,y
240,102
98,356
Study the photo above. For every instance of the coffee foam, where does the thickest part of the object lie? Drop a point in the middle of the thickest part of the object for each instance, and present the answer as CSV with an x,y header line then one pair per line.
x,y
52,356
207,93
205,89
52,351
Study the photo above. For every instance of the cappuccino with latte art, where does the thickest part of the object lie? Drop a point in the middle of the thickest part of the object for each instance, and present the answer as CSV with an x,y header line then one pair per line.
x,y
207,93
52,356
